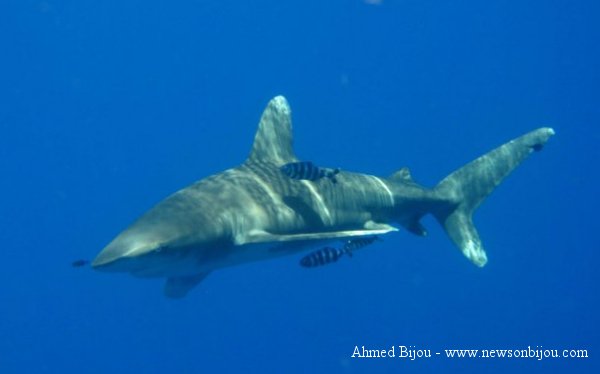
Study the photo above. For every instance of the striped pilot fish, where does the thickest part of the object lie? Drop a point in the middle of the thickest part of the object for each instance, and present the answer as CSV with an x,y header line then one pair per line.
x,y
323,256
306,170
330,255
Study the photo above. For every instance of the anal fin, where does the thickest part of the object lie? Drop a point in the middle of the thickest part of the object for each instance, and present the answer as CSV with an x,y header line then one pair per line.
x,y
416,228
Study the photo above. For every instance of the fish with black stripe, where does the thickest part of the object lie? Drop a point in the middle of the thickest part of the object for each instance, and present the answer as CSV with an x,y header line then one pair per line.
x,y
306,170
323,256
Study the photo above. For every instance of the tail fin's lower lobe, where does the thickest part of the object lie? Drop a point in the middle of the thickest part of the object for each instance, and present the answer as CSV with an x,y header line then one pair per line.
x,y
468,186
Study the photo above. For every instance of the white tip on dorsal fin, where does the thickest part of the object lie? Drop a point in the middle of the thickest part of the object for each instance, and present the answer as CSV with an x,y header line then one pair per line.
x,y
273,140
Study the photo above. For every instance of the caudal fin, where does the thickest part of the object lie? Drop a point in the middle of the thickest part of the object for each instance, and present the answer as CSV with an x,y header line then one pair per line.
x,y
468,186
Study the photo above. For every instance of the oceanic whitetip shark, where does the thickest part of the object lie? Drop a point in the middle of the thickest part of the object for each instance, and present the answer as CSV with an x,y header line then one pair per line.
x,y
255,211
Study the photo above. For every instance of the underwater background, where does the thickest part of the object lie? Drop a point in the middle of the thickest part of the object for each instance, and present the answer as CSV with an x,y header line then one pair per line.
x,y
108,107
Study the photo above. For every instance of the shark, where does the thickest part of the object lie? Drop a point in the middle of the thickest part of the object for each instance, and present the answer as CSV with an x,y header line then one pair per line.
x,y
255,212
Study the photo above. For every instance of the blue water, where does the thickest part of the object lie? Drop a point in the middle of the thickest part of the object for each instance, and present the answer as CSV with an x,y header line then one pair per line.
x,y
108,107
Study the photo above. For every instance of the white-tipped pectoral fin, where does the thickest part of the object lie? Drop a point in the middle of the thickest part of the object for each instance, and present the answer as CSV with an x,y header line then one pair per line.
x,y
259,236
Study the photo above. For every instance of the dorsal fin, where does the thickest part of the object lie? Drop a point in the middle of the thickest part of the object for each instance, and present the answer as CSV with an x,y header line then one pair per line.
x,y
402,175
273,140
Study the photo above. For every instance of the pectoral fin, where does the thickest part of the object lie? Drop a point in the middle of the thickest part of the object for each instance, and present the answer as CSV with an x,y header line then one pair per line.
x,y
259,236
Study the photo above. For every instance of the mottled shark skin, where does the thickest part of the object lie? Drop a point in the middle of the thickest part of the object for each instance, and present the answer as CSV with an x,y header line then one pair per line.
x,y
255,212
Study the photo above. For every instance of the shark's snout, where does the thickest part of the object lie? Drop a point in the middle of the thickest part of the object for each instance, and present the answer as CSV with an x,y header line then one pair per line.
x,y
124,252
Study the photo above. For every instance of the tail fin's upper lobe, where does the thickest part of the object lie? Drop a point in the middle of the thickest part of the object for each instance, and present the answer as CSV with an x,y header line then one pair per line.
x,y
468,186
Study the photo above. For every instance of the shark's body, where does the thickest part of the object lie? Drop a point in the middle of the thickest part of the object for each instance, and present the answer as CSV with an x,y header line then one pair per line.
x,y
255,212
